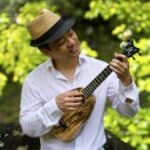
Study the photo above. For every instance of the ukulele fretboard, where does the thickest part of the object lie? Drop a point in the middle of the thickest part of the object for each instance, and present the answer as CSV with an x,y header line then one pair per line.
x,y
91,87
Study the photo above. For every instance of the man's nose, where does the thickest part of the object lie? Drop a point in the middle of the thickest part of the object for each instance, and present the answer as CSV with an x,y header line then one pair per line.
x,y
70,42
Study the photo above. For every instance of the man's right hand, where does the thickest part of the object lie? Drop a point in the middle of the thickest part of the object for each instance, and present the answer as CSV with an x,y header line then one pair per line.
x,y
69,100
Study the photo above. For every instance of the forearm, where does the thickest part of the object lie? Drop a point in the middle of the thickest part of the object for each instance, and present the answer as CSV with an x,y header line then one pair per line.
x,y
39,122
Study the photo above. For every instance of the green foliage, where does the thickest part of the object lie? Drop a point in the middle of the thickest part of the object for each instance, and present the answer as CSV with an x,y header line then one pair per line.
x,y
122,11
3,81
134,131
105,22
87,50
140,67
15,51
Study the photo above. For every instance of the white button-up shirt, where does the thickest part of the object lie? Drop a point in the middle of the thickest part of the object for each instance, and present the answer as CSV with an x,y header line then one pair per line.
x,y
39,111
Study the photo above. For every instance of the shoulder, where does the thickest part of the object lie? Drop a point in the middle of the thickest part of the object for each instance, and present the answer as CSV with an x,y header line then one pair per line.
x,y
37,73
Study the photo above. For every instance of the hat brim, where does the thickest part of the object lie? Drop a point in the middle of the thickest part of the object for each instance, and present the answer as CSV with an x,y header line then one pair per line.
x,y
62,26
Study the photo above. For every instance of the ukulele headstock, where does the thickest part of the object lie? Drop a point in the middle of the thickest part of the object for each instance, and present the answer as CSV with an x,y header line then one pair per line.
x,y
129,49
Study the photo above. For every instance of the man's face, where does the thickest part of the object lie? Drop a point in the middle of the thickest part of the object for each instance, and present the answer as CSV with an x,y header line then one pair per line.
x,y
67,46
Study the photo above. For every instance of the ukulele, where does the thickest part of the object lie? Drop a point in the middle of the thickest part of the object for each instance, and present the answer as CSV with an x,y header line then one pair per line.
x,y
72,122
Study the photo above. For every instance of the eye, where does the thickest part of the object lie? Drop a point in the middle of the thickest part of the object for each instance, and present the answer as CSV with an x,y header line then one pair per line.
x,y
60,41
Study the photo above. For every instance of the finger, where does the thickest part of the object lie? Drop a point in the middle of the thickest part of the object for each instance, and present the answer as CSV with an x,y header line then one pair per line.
x,y
117,66
116,61
120,70
76,99
73,99
72,108
74,93
121,57
70,104
115,69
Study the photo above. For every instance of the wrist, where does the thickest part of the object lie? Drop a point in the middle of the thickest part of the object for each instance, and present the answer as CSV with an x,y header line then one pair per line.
x,y
127,81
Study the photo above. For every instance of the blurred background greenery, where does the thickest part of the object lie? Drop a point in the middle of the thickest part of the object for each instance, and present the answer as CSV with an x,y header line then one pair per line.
x,y
102,26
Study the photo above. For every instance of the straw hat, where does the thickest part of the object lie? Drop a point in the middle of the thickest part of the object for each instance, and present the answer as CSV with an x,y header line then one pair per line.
x,y
48,27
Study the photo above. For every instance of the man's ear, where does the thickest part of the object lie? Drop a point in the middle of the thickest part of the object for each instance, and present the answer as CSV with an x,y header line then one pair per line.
x,y
45,51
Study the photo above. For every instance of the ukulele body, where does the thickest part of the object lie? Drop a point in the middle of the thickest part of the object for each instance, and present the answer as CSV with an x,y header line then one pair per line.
x,y
74,121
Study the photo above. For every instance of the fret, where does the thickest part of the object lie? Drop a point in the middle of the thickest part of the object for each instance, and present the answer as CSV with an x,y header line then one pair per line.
x,y
102,76
108,69
86,92
90,88
95,83
105,72
89,91
100,80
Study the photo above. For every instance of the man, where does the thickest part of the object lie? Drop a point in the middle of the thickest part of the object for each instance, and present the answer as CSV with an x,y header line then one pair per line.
x,y
50,90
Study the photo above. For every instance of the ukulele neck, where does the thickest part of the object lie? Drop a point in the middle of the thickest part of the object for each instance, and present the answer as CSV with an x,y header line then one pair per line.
x,y
91,87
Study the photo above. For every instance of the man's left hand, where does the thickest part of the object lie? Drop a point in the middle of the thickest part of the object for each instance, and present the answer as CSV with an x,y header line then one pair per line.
x,y
120,66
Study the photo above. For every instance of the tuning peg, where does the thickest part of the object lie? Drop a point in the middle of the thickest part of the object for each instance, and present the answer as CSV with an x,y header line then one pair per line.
x,y
139,53
133,57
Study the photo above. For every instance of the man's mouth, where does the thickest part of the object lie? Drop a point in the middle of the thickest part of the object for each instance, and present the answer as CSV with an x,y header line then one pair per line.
x,y
74,51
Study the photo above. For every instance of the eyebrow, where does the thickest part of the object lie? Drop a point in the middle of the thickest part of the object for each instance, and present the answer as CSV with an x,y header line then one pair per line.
x,y
58,39
70,30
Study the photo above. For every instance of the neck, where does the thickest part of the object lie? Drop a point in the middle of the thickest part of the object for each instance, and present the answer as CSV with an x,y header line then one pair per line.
x,y
67,67
66,64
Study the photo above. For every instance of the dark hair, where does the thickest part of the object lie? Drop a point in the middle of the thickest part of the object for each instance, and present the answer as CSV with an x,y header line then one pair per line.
x,y
43,46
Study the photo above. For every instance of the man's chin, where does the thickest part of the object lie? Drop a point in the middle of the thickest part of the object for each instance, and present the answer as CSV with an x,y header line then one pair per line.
x,y
75,54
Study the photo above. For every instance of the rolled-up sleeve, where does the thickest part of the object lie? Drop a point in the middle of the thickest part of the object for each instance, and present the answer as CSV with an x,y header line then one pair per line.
x,y
118,95
36,116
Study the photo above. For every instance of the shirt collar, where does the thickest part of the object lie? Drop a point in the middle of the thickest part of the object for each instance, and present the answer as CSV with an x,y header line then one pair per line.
x,y
49,63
